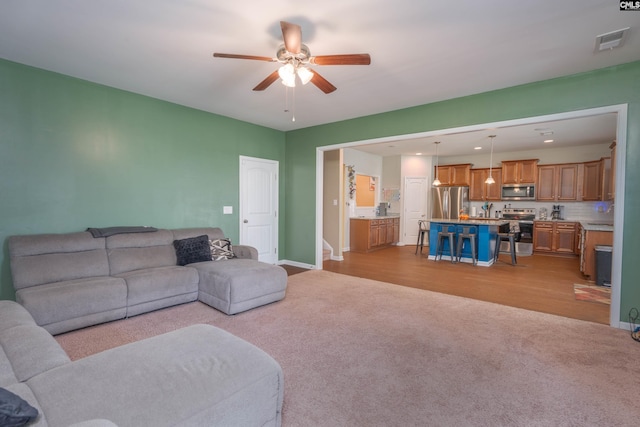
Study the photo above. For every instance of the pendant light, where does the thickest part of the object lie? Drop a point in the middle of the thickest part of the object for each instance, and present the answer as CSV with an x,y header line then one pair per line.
x,y
436,181
490,180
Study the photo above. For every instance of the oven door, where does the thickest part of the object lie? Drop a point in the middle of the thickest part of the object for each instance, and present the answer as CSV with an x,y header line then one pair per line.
x,y
526,231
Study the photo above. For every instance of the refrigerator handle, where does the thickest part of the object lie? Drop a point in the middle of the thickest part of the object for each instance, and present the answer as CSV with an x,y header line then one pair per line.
x,y
446,213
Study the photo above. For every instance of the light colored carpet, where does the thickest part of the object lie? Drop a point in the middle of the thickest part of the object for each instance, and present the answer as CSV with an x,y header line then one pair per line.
x,y
357,352
592,293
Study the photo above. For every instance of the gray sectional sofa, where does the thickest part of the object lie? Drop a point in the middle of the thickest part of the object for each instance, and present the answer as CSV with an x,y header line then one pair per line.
x,y
73,280
195,376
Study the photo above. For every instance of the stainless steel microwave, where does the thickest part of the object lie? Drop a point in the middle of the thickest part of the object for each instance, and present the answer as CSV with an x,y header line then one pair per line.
x,y
519,192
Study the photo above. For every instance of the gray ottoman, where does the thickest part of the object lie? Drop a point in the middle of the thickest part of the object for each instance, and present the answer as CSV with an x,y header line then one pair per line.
x,y
237,285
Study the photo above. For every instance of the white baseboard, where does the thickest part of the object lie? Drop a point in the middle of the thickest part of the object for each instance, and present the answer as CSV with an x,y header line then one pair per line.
x,y
337,258
296,264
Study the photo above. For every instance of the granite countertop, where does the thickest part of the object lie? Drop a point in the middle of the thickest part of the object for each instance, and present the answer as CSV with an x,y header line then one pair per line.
x,y
596,225
587,224
368,217
473,221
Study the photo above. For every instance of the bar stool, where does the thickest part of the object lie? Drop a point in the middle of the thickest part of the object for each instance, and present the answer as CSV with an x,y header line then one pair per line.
x,y
469,233
506,237
446,232
422,230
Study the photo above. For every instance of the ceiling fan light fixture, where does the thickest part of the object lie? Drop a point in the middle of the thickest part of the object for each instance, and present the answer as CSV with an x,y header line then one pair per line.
x,y
305,75
288,75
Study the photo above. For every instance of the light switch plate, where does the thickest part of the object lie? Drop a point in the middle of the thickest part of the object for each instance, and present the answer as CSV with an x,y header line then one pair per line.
x,y
227,210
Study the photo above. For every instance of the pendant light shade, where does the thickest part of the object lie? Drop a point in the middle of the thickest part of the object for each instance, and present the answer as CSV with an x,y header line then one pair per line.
x,y
436,181
490,179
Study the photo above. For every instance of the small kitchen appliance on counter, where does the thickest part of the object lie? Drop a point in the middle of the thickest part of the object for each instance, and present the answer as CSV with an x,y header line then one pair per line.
x,y
382,209
543,214
557,212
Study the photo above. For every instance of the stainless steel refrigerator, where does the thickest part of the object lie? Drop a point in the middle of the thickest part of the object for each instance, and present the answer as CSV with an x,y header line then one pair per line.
x,y
447,202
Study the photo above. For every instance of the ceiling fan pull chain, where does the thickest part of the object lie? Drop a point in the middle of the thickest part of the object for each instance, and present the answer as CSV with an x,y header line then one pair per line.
x,y
293,104
286,99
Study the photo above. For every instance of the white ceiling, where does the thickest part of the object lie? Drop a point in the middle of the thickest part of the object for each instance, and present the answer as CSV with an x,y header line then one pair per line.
x,y
574,132
422,51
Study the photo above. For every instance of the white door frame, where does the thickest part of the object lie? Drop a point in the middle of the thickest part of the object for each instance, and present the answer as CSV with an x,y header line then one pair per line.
x,y
275,203
621,155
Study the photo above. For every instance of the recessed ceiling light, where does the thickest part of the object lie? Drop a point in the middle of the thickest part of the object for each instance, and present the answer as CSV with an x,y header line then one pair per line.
x,y
547,141
546,133
418,154
477,148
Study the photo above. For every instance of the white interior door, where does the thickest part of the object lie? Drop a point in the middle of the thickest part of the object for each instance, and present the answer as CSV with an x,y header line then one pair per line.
x,y
259,206
415,207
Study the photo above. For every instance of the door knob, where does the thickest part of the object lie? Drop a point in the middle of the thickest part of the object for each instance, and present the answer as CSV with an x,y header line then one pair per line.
x,y
246,221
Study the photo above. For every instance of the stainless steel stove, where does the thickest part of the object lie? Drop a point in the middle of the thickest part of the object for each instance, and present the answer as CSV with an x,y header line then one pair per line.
x,y
521,221
526,215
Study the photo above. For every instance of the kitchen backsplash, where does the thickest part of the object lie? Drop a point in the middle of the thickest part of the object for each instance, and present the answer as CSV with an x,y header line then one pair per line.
x,y
594,211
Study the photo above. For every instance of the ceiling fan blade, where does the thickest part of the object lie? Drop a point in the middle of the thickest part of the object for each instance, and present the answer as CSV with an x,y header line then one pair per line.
x,y
351,59
234,56
268,81
322,83
292,36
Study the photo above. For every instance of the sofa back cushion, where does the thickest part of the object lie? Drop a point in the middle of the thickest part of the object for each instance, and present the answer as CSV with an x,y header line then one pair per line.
x,y
47,258
185,233
136,251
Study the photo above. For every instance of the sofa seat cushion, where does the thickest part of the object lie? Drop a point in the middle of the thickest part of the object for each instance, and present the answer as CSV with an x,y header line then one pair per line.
x,y
236,285
197,376
60,301
151,284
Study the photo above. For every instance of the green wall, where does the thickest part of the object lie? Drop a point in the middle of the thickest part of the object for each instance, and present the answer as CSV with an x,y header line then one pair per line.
x,y
615,85
74,154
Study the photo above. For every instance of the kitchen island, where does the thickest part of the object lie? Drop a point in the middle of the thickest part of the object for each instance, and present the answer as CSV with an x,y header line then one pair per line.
x,y
486,239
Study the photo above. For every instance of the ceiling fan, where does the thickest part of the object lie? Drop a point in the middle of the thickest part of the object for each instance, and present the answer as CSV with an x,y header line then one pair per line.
x,y
295,58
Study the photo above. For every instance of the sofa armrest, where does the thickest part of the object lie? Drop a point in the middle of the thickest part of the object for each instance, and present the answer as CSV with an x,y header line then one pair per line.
x,y
246,252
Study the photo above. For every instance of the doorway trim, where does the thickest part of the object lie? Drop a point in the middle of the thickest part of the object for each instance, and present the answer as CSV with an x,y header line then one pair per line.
x,y
621,154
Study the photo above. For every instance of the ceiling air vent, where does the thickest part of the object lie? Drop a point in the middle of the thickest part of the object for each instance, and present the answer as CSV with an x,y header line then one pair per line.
x,y
611,40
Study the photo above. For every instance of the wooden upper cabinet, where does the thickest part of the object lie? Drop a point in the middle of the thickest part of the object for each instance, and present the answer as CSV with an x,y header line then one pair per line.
x,y
454,175
546,183
479,190
519,171
592,184
558,182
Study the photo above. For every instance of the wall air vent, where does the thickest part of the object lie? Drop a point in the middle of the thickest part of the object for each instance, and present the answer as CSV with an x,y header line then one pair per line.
x,y
611,40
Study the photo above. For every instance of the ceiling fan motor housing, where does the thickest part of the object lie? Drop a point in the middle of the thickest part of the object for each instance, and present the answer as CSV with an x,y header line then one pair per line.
x,y
285,56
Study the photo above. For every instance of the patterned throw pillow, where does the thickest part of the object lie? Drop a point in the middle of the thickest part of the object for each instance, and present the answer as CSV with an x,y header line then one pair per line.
x,y
221,249
193,249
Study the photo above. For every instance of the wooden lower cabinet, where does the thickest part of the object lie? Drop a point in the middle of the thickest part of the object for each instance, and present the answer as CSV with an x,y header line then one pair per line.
x,y
366,235
555,237
591,239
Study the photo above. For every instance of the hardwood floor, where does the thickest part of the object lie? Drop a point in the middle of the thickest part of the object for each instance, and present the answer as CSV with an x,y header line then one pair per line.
x,y
539,282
